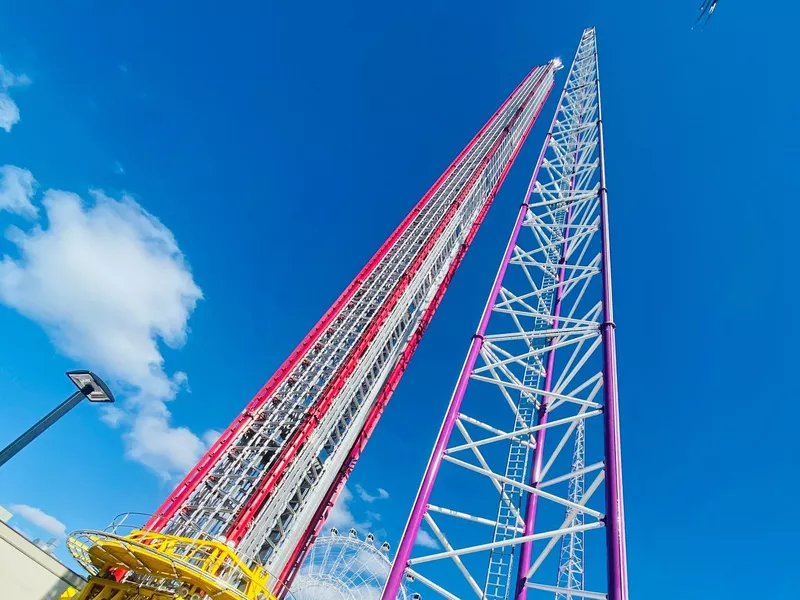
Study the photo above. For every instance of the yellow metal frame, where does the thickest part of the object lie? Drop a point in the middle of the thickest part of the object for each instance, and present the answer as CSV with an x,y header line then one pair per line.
x,y
208,568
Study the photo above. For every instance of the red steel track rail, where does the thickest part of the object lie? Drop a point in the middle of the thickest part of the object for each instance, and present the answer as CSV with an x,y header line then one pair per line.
x,y
197,474
242,521
300,551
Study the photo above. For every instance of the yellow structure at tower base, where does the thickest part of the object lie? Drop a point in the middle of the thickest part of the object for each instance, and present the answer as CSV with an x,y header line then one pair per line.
x,y
154,566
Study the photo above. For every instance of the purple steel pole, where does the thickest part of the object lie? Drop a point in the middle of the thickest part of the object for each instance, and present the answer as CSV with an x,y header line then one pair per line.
x,y
615,514
616,555
395,577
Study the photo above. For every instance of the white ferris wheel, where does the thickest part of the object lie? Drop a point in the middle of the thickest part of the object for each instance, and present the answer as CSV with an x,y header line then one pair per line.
x,y
345,567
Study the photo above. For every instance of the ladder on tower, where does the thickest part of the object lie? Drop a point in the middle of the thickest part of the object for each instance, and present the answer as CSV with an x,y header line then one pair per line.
x,y
509,522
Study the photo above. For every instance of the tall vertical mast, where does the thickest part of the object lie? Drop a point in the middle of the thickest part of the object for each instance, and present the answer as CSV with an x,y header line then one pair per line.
x,y
266,483
544,345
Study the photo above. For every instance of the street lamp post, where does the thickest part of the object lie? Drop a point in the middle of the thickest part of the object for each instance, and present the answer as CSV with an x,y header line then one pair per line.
x,y
89,386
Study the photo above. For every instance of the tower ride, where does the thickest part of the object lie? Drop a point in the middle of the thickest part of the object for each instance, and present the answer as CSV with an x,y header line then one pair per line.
x,y
244,517
541,416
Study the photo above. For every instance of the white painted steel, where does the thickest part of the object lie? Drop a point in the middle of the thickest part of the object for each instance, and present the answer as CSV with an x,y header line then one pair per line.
x,y
237,473
313,470
487,453
570,567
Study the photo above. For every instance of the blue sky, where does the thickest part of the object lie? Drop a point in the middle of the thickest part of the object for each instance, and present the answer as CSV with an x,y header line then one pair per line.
x,y
278,146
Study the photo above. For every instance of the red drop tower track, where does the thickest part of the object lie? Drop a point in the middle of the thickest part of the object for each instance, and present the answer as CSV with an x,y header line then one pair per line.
x,y
267,484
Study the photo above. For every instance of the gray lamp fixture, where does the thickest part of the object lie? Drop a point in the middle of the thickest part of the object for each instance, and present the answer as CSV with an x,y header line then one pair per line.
x,y
89,386
99,391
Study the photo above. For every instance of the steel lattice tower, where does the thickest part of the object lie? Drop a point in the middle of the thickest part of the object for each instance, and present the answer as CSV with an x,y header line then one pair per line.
x,y
544,354
267,484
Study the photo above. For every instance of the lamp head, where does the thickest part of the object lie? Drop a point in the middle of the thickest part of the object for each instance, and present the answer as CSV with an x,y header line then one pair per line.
x,y
83,379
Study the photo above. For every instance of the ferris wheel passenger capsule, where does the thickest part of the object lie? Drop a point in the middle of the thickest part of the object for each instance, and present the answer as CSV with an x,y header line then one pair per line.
x,y
334,531
353,533
370,538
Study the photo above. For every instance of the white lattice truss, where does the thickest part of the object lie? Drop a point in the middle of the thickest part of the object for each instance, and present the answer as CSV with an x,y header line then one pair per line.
x,y
570,566
556,258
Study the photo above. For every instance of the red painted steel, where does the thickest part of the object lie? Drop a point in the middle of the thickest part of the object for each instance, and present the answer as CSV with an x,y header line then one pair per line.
x,y
241,523
299,553
196,475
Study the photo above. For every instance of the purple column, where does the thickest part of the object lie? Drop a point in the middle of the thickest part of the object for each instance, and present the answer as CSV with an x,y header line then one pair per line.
x,y
615,526
395,577
615,517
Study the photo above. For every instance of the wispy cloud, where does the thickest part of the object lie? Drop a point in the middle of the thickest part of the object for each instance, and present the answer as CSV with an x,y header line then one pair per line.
x,y
426,540
118,168
367,497
373,563
9,111
108,283
17,187
9,79
41,519
351,512
341,515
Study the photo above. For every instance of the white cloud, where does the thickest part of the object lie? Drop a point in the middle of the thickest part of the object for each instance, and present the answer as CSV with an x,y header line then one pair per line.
x,y
341,515
367,497
165,449
112,416
211,436
425,540
17,187
372,564
9,111
41,519
118,168
108,283
9,80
